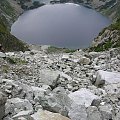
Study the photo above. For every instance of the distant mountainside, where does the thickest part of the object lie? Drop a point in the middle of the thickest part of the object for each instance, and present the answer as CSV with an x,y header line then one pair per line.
x,y
110,8
109,37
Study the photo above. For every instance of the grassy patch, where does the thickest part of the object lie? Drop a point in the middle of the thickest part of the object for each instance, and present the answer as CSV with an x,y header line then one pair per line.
x,y
5,68
106,46
3,28
53,49
12,60
115,26
109,43
8,41
7,8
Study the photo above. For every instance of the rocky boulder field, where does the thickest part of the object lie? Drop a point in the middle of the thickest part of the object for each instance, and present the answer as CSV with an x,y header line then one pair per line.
x,y
37,85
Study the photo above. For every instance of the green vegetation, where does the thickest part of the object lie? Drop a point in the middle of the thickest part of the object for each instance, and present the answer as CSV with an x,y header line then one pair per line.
x,y
13,60
7,8
115,26
5,68
53,49
103,47
110,43
3,28
9,42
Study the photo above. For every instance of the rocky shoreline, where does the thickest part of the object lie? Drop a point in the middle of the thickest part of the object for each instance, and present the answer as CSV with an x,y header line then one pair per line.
x,y
60,86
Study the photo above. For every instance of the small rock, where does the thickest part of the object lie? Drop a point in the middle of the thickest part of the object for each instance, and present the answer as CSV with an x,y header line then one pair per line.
x,y
84,61
2,55
96,102
25,114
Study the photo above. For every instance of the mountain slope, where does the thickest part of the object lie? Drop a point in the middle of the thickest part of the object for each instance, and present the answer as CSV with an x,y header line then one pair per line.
x,y
113,11
108,38
7,16
110,8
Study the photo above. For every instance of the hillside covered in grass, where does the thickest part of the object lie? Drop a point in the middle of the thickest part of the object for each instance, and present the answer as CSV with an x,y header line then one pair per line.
x,y
9,42
108,38
7,16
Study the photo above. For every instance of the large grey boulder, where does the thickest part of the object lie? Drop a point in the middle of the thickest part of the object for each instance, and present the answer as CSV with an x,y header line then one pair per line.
x,y
2,55
15,105
77,112
25,91
105,77
17,89
106,112
117,117
39,93
56,102
49,77
46,115
2,105
93,113
83,97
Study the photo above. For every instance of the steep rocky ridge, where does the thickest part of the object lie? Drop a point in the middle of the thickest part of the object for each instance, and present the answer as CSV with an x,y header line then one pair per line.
x,y
110,8
108,38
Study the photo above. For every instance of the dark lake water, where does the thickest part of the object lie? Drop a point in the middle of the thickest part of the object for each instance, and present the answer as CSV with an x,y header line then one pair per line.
x,y
61,25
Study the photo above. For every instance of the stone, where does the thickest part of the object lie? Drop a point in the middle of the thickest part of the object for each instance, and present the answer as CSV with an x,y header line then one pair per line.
x,y
105,77
2,105
15,105
17,89
24,88
93,54
7,118
46,115
2,55
93,113
117,117
65,57
37,107
106,112
67,77
56,102
24,114
83,97
84,61
112,88
96,102
58,90
49,77
77,112
38,93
